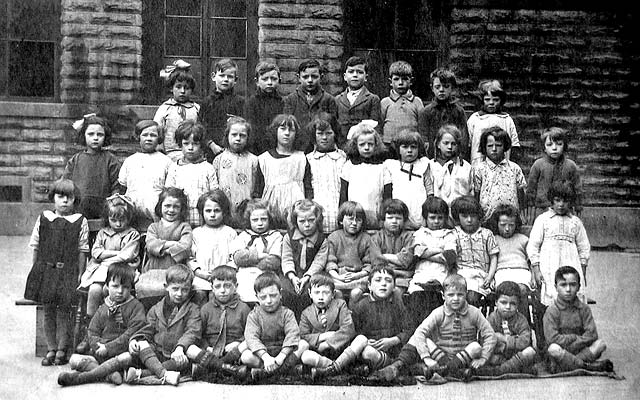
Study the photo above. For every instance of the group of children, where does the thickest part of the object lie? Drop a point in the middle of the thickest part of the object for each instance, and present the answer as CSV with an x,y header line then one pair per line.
x,y
252,258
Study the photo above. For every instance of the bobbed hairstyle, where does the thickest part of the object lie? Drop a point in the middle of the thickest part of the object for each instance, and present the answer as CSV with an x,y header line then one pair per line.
x,y
444,75
408,137
218,196
563,190
355,60
305,205
176,194
117,208
179,273
188,128
508,288
181,75
224,273
454,281
401,68
465,205
556,134
322,121
435,205
322,279
352,209
394,206
447,129
506,210
231,121
123,272
351,148
252,205
147,123
499,135
565,270
300,140
494,88
266,279
94,120
65,187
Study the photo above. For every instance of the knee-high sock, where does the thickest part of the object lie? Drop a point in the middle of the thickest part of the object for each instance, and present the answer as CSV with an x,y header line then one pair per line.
x,y
344,359
568,361
102,371
150,360
408,355
460,360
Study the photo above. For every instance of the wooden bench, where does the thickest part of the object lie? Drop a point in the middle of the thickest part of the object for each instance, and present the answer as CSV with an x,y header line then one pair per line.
x,y
41,343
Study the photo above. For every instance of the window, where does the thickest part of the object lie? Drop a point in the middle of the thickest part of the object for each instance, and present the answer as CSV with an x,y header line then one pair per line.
x,y
199,32
29,49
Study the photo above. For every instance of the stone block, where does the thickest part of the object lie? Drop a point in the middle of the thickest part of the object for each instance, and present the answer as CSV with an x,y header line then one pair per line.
x,y
133,46
299,11
300,51
300,37
309,2
43,160
303,24
570,119
9,160
123,5
291,64
9,133
470,15
101,18
81,5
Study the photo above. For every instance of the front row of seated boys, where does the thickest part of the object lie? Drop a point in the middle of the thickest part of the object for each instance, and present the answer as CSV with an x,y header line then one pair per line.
x,y
374,338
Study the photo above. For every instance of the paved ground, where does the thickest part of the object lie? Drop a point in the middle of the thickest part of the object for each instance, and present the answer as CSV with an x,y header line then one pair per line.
x,y
615,284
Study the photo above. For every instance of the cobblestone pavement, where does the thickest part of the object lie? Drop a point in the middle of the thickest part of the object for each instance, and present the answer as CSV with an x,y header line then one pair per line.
x,y
614,282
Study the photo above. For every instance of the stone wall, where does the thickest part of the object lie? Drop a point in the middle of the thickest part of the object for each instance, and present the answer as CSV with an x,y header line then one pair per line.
x,y
101,51
574,69
293,30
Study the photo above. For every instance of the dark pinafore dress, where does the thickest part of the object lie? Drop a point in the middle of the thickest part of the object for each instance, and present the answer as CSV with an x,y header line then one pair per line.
x,y
54,276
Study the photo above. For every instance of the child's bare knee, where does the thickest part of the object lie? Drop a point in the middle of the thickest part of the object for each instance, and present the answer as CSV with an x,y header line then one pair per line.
x,y
359,343
528,354
598,347
302,346
474,350
370,354
124,358
555,350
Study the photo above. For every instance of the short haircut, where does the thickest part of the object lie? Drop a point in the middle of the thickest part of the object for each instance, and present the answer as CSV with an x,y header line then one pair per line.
x,y
146,123
556,134
309,63
305,205
394,206
231,121
218,196
188,128
353,209
266,279
499,135
322,279
94,120
179,273
263,67
507,210
224,64
181,75
454,281
382,268
65,187
563,190
322,121
565,270
493,87
401,68
408,137
252,205
465,205
444,75
224,273
435,205
117,208
177,194
444,130
351,148
123,272
508,288
355,60
301,138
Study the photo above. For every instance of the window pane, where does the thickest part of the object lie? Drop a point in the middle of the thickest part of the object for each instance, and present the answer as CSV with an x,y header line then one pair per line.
x,y
228,38
31,69
227,8
34,19
184,7
3,18
182,37
3,66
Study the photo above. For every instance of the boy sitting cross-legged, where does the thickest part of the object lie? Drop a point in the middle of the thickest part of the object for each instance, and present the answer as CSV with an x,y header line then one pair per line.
x,y
173,325
223,320
382,325
447,340
272,334
513,352
326,324
570,330
119,317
